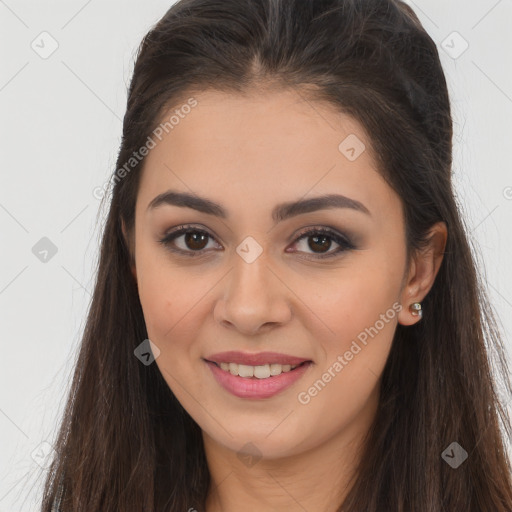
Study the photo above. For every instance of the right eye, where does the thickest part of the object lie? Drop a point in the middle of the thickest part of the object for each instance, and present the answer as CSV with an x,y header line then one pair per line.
x,y
193,244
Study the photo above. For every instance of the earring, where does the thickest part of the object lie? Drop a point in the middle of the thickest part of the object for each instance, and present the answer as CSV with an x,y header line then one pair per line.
x,y
415,309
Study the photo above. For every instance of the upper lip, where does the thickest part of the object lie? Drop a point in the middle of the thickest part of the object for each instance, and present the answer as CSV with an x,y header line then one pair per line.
x,y
257,359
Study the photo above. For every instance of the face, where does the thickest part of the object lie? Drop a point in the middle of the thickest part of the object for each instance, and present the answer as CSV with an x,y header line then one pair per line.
x,y
318,282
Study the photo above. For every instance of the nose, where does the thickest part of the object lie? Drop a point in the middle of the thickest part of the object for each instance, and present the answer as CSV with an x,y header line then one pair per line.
x,y
254,298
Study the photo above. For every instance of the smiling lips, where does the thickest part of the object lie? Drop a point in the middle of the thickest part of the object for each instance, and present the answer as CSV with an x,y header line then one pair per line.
x,y
261,365
259,375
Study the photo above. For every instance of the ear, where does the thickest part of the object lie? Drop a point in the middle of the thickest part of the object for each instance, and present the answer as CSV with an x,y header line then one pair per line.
x,y
127,240
422,272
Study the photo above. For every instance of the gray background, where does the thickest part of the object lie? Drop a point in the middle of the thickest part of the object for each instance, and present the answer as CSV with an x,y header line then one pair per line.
x,y
60,132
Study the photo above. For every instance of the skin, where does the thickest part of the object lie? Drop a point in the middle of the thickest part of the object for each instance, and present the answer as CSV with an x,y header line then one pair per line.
x,y
249,153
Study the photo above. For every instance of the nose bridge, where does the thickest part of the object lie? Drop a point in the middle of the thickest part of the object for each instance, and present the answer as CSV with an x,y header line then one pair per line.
x,y
253,296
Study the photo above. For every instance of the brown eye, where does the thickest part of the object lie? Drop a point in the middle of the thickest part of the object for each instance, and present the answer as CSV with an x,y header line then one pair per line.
x,y
187,240
320,241
195,240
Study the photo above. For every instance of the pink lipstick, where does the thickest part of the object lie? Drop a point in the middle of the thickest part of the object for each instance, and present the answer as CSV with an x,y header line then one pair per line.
x,y
254,387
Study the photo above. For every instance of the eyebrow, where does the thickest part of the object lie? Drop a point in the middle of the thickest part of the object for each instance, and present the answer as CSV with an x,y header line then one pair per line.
x,y
280,212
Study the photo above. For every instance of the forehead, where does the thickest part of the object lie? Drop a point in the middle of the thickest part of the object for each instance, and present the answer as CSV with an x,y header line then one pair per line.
x,y
259,147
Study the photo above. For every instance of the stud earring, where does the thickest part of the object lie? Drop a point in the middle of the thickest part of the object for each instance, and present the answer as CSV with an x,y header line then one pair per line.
x,y
415,309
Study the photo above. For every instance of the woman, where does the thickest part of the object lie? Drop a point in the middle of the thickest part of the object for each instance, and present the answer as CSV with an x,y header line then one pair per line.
x,y
287,314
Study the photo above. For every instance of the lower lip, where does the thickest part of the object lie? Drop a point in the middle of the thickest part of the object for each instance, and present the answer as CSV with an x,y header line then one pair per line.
x,y
253,387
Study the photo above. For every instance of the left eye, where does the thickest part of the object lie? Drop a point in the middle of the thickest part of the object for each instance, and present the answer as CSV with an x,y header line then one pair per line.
x,y
195,241
322,238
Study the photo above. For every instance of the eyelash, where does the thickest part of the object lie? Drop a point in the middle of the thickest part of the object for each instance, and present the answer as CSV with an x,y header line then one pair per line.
x,y
343,241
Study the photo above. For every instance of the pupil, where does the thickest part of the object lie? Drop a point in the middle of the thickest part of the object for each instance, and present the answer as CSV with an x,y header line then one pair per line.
x,y
192,237
316,238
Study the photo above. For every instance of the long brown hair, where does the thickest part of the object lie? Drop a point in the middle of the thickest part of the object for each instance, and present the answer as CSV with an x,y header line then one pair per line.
x,y
126,443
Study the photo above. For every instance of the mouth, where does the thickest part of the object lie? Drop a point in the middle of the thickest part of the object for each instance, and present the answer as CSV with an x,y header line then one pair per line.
x,y
265,371
257,382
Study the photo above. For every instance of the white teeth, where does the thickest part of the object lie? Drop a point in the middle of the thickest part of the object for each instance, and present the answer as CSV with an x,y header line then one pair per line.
x,y
245,371
260,371
275,369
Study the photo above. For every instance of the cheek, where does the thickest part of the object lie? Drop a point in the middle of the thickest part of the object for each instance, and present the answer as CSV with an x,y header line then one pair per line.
x,y
163,293
356,298
171,308
175,303
363,316
155,294
362,311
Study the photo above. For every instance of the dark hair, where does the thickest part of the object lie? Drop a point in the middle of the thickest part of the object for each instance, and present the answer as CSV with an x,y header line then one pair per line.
x,y
126,443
